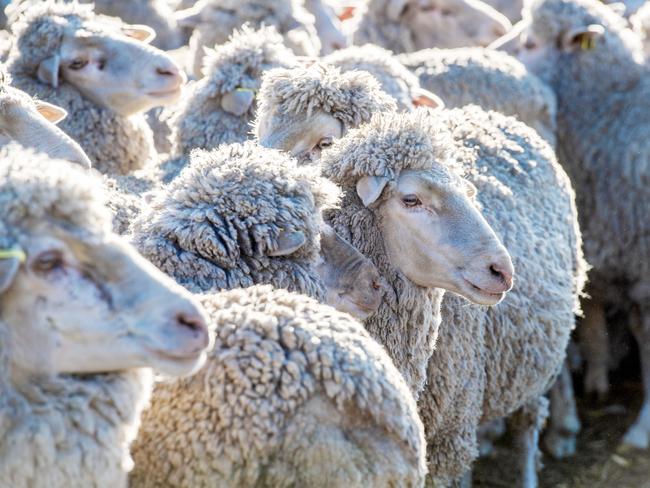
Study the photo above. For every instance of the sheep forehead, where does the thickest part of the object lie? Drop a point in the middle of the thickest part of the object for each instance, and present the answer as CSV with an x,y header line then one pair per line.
x,y
549,18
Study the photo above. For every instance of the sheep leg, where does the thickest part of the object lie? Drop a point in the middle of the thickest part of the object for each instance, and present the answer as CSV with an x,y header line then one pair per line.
x,y
561,436
595,348
487,434
527,423
638,435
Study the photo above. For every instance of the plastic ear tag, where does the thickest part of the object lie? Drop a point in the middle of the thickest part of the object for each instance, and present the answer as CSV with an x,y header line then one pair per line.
x,y
13,253
587,43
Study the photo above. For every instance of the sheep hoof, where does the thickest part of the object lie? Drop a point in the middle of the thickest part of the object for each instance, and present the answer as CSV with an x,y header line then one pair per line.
x,y
560,446
636,438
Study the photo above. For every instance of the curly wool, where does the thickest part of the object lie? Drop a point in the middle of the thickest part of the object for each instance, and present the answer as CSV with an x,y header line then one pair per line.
x,y
491,79
294,394
407,320
115,144
394,78
518,345
289,17
61,431
603,118
200,121
213,226
288,94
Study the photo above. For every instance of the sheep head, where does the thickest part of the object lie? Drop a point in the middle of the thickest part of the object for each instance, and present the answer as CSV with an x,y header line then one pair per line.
x,y
74,297
109,62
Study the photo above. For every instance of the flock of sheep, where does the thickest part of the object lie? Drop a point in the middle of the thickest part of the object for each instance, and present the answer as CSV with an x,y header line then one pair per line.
x,y
341,255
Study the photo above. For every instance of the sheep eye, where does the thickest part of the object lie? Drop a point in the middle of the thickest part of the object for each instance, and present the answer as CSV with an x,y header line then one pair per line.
x,y
445,12
48,261
411,201
78,64
325,142
529,44
101,64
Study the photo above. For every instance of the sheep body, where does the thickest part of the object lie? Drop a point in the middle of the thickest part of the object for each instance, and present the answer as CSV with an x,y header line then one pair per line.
x,y
490,79
294,393
114,143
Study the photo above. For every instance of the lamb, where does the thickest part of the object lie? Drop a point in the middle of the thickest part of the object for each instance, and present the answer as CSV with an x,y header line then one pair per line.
x,y
491,79
220,107
294,394
157,14
394,78
31,123
410,25
241,215
93,76
603,101
82,316
214,21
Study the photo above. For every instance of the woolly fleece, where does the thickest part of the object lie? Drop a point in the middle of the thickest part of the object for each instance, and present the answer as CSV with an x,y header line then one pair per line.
x,y
212,227
294,394
491,79
115,144
61,431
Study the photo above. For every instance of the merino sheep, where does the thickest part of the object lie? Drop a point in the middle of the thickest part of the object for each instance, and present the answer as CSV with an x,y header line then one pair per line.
x,y
294,103
410,25
65,55
220,107
81,315
214,21
294,394
594,63
31,123
328,26
394,78
157,14
493,80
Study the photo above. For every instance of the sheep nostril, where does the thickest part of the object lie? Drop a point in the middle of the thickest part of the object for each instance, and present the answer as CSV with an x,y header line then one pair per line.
x,y
194,323
503,274
167,71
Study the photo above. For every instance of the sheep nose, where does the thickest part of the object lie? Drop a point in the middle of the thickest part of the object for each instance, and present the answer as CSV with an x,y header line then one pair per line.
x,y
499,30
194,323
172,72
503,270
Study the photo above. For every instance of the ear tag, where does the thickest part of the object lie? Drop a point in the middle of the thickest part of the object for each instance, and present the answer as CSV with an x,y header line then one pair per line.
x,y
587,43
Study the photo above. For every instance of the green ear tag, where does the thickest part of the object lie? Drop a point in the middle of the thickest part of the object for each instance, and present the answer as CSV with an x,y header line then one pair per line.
x,y
13,253
587,43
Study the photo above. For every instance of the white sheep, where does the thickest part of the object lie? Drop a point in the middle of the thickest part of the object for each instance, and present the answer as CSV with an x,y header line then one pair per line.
x,y
602,121
410,25
82,315
294,394
214,21
105,77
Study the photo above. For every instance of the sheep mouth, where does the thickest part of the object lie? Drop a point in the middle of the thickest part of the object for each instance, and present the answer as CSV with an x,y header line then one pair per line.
x,y
166,93
482,295
176,357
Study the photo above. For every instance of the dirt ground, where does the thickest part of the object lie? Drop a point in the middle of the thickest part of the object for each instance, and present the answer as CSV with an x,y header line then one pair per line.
x,y
599,463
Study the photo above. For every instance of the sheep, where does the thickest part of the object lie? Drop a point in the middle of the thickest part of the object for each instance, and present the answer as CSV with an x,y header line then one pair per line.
x,y
82,316
510,8
214,21
294,394
157,14
410,25
31,123
601,106
220,107
394,78
292,103
328,26
94,76
488,78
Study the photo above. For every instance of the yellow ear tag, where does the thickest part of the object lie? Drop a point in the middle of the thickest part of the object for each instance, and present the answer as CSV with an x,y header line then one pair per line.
x,y
13,253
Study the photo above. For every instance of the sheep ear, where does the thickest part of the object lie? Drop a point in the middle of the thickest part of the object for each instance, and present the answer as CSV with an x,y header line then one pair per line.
x,y
288,243
237,102
189,18
139,32
52,113
425,98
395,9
48,71
369,188
8,269
582,38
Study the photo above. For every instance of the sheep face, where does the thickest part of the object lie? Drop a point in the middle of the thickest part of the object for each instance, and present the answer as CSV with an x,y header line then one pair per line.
x,y
118,71
83,302
352,282
31,123
434,234
451,23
